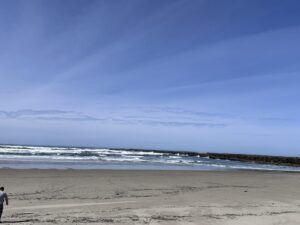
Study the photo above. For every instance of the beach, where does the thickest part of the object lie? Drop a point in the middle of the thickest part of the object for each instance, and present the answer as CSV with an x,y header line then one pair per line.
x,y
128,197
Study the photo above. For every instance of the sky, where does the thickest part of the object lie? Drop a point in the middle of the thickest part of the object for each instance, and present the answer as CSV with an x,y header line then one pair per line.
x,y
196,75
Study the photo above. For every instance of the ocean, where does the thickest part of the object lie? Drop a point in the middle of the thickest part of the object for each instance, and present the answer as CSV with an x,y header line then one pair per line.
x,y
51,157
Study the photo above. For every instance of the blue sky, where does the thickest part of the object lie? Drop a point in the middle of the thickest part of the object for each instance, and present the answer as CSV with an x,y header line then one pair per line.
x,y
201,75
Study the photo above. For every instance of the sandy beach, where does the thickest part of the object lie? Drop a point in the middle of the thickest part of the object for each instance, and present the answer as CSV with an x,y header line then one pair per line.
x,y
151,197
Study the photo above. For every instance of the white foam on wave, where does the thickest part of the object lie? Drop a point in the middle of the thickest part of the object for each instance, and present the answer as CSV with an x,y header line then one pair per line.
x,y
47,158
61,151
128,159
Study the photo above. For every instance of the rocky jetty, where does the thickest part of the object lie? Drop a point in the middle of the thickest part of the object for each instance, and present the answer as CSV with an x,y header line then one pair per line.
x,y
265,159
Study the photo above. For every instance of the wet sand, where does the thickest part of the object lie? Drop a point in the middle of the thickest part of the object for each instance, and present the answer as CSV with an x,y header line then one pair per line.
x,y
151,197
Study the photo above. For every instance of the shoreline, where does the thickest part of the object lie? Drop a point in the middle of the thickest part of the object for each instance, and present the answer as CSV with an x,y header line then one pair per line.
x,y
151,170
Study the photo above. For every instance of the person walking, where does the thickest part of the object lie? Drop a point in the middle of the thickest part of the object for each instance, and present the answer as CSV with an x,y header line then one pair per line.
x,y
3,196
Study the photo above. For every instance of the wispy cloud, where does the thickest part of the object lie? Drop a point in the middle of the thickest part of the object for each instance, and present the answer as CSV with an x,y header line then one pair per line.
x,y
185,112
181,124
44,115
53,115
166,123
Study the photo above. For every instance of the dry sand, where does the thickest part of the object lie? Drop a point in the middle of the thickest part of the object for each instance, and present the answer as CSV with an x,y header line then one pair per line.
x,y
151,197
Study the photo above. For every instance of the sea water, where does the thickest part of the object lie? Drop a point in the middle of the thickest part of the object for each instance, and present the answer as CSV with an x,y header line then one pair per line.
x,y
51,157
